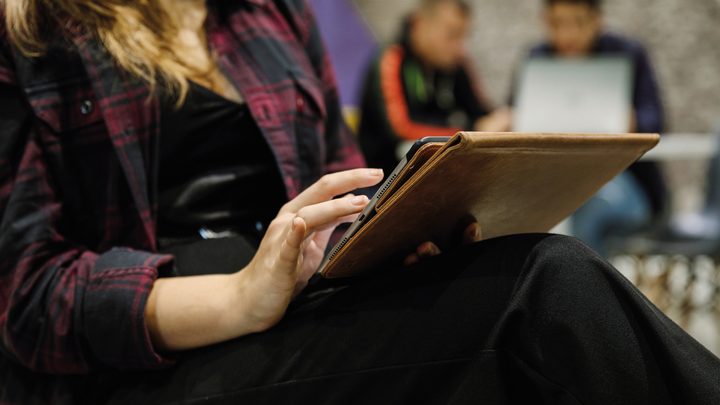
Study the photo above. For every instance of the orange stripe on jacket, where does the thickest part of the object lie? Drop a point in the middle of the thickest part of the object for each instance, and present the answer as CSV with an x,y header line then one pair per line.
x,y
396,106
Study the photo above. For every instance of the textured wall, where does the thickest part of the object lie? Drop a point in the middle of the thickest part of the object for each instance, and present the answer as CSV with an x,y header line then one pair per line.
x,y
682,36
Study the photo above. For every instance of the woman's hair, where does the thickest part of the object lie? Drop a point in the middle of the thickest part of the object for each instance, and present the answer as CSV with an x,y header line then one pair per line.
x,y
139,34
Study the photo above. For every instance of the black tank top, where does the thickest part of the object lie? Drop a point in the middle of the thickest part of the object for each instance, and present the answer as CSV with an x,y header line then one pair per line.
x,y
217,174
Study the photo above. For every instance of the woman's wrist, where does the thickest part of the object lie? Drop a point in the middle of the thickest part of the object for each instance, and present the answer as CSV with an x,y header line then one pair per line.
x,y
245,320
259,305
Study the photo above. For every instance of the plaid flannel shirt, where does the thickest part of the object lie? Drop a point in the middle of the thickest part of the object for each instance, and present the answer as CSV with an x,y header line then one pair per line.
x,y
78,162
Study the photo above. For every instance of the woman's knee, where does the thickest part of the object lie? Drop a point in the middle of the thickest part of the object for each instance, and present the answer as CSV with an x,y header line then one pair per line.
x,y
566,262
562,247
537,257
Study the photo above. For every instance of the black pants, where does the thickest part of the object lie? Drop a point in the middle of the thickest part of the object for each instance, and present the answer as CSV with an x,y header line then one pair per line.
x,y
521,319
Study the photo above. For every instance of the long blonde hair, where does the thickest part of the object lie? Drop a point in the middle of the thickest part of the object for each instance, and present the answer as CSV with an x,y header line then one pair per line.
x,y
139,34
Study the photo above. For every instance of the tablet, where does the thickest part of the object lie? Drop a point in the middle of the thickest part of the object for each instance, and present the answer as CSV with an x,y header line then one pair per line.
x,y
414,158
509,182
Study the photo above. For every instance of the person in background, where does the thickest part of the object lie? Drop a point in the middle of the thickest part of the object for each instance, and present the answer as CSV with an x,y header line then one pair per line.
x,y
637,197
422,85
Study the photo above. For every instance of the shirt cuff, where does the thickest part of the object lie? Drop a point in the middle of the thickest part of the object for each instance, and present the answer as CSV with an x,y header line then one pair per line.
x,y
114,308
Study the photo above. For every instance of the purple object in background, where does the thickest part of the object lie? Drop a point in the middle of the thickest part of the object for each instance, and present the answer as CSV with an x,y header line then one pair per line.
x,y
349,42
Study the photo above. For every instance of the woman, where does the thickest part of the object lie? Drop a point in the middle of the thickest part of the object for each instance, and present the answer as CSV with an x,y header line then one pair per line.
x,y
151,149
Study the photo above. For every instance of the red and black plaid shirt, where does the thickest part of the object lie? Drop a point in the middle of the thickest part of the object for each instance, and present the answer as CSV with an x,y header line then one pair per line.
x,y
78,163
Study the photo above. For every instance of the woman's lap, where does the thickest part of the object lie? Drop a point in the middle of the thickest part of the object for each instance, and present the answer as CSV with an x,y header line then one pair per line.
x,y
536,318
432,318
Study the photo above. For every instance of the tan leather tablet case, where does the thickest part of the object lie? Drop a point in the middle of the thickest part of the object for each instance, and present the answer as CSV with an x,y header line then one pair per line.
x,y
510,182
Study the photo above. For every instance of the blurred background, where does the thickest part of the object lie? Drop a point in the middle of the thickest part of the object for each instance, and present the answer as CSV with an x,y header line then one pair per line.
x,y
681,36
675,260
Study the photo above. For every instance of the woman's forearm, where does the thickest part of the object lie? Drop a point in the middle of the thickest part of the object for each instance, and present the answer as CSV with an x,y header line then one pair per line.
x,y
189,312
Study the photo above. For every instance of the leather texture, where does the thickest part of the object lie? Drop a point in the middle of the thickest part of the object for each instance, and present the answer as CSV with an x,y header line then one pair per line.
x,y
417,162
511,183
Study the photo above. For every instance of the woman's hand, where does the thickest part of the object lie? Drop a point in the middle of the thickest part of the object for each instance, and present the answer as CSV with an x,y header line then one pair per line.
x,y
188,312
295,243
471,234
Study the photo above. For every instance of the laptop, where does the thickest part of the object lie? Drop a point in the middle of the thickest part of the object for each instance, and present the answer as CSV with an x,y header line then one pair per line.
x,y
591,95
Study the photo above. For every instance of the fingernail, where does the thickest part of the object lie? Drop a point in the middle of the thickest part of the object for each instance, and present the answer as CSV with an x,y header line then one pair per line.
x,y
376,172
410,260
431,250
478,232
358,200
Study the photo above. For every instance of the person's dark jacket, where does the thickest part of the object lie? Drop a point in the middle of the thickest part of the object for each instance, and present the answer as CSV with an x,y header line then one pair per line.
x,y
78,178
404,100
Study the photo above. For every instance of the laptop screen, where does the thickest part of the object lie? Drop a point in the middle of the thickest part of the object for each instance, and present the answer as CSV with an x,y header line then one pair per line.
x,y
574,95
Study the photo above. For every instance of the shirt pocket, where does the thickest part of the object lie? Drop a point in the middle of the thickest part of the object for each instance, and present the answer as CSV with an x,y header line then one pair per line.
x,y
309,101
79,153
69,107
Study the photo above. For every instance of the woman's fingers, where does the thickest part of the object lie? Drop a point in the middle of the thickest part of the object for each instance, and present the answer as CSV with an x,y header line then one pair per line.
x,y
472,233
426,249
332,185
411,259
313,255
322,237
300,232
344,220
320,216
292,246
322,234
